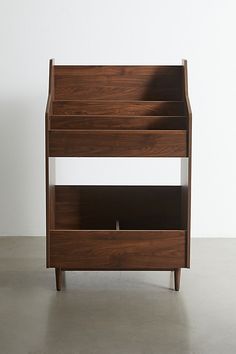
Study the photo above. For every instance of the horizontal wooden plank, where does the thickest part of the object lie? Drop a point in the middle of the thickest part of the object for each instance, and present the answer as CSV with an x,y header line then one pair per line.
x,y
116,70
113,107
118,122
112,143
142,250
155,86
119,82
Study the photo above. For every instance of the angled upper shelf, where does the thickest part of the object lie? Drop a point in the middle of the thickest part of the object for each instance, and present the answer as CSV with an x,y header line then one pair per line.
x,y
118,111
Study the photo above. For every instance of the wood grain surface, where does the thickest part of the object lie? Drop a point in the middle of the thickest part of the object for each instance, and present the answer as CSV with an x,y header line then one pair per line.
x,y
114,143
117,249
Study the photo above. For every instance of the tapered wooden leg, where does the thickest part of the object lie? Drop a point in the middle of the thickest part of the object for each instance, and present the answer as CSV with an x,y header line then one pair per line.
x,y
177,278
58,274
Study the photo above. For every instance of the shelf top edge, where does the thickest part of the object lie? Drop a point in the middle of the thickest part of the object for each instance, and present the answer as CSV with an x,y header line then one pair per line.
x,y
118,101
113,230
118,66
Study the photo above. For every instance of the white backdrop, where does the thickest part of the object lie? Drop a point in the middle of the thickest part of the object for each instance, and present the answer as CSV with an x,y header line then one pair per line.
x,y
117,32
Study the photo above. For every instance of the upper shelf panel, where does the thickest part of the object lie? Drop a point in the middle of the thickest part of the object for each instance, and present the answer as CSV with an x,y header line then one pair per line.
x,y
146,83
111,111
115,143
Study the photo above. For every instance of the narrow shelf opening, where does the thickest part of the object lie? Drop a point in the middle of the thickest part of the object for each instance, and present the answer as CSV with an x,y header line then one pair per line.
x,y
117,171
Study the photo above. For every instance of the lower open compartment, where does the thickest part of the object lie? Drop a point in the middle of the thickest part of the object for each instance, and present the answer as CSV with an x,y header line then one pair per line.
x,y
117,228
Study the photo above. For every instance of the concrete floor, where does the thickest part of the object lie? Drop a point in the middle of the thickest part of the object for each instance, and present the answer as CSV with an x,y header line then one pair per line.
x,y
117,312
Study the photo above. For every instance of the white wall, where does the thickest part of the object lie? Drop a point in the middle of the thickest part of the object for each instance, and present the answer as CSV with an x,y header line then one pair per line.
x,y
117,32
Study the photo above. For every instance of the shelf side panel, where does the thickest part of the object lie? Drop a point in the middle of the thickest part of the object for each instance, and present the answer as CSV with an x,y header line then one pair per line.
x,y
49,168
186,169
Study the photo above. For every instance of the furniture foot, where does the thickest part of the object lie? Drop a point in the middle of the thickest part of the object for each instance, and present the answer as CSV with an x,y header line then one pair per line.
x,y
58,274
177,278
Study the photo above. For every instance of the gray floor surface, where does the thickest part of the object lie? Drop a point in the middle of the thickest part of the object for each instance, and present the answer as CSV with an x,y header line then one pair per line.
x,y
117,312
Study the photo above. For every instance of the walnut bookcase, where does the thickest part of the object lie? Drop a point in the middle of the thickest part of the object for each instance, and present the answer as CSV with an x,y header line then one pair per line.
x,y
118,111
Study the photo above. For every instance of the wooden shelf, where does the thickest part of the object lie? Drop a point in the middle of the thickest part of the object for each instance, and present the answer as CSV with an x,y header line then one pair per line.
x,y
115,143
118,111
117,250
114,107
109,122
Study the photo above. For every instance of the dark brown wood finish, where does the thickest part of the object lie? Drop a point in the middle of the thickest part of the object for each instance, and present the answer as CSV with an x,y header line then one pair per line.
x,y
117,250
120,71
177,278
97,122
117,111
49,185
58,274
115,143
115,107
119,82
